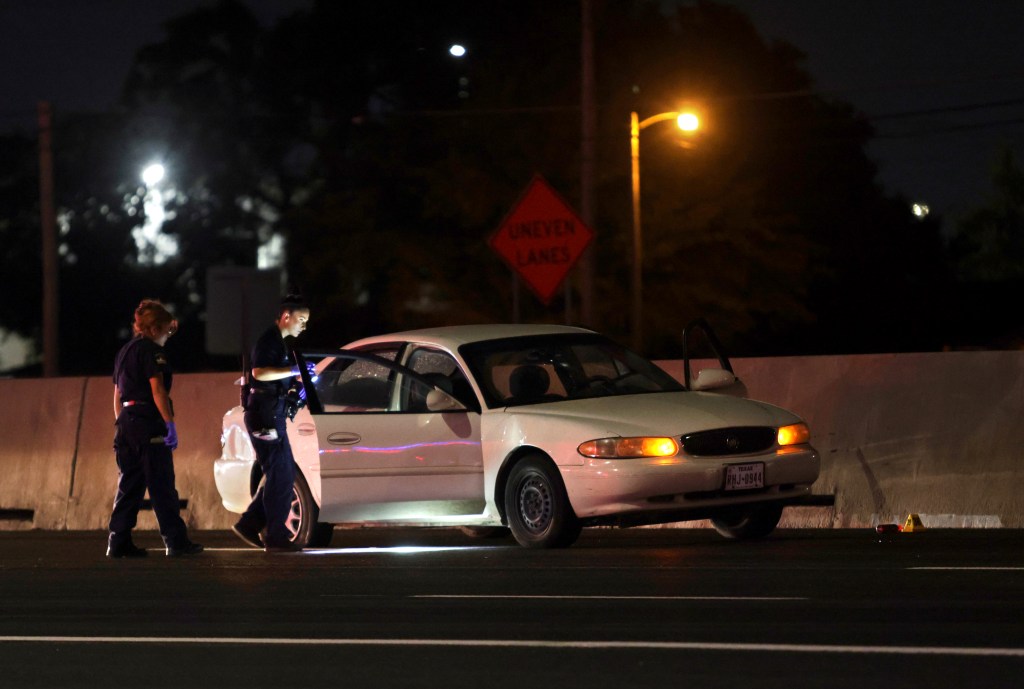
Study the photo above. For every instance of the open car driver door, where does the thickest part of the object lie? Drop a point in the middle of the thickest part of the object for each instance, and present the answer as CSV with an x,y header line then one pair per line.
x,y
393,446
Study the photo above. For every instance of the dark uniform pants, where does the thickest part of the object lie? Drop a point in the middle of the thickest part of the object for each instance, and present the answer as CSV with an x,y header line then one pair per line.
x,y
271,506
143,465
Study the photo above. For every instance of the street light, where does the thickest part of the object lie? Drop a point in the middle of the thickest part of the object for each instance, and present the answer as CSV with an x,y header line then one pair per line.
x,y
152,174
688,122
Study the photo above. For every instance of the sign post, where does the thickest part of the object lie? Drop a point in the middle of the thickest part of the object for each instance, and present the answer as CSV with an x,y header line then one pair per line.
x,y
541,238
240,303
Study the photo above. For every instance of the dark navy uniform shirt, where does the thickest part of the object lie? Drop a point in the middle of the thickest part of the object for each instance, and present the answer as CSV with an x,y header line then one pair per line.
x,y
137,362
270,352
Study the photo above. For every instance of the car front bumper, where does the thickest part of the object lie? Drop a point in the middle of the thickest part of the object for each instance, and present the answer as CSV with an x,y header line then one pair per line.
x,y
602,488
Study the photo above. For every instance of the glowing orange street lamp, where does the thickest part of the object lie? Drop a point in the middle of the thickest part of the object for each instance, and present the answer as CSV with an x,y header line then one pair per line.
x,y
688,122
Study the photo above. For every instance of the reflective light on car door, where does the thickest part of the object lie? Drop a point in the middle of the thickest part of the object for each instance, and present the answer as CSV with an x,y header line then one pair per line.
x,y
396,448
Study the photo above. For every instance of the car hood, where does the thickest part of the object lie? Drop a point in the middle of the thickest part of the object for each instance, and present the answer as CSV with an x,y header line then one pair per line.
x,y
670,413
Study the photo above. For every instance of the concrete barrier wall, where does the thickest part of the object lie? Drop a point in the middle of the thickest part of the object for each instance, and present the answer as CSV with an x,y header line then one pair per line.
x,y
57,460
937,434
200,401
38,438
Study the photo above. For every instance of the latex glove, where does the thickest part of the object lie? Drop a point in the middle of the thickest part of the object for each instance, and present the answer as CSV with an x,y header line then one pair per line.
x,y
311,369
171,439
302,394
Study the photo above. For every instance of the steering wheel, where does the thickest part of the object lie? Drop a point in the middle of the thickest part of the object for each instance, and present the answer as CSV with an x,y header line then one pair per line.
x,y
600,381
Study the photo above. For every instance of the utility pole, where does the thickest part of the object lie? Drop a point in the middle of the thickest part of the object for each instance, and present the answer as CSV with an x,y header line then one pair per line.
x,y
48,227
587,155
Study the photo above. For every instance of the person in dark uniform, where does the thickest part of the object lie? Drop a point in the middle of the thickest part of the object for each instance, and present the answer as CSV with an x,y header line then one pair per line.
x,y
272,374
146,436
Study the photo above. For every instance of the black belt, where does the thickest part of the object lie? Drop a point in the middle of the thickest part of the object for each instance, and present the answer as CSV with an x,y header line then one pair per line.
x,y
261,391
132,403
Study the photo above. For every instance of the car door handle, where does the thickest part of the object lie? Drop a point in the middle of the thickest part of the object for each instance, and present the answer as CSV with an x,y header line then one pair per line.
x,y
306,429
343,438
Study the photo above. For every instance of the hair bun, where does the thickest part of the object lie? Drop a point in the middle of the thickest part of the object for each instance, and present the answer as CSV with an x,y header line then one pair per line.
x,y
294,301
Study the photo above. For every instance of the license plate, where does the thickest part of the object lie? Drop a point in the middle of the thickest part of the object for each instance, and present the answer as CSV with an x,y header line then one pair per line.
x,y
744,476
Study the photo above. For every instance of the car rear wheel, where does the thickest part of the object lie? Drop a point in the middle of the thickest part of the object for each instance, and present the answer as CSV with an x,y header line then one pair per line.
x,y
322,534
302,516
537,506
302,524
748,524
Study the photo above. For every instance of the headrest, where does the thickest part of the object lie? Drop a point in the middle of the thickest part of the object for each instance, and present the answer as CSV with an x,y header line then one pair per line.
x,y
529,381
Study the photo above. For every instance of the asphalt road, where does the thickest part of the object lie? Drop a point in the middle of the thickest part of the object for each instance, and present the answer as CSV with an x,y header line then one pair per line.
x,y
433,608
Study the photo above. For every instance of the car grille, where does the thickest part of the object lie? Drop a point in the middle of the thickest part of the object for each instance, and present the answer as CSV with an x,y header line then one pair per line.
x,y
729,441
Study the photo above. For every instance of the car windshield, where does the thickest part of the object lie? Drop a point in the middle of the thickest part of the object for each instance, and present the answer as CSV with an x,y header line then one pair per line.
x,y
550,368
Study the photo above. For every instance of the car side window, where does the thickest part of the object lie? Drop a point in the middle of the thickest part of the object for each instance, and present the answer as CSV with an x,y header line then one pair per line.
x,y
442,371
357,385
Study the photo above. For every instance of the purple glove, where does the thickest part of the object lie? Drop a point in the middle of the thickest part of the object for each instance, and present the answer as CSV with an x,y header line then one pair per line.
x,y
171,439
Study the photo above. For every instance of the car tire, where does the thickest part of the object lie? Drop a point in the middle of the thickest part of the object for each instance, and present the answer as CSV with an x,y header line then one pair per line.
x,y
749,524
486,531
302,518
322,534
537,506
303,527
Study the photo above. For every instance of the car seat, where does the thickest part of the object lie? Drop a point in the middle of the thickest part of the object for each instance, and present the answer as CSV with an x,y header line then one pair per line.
x,y
528,383
418,399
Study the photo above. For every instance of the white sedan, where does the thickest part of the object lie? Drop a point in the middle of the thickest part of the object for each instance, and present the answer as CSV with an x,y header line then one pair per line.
x,y
537,429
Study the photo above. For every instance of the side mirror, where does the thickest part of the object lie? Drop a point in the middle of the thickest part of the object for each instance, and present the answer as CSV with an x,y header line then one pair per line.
x,y
712,379
439,400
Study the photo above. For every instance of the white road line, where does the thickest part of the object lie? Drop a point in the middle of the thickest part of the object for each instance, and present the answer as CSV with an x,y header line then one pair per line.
x,y
970,569
503,643
735,598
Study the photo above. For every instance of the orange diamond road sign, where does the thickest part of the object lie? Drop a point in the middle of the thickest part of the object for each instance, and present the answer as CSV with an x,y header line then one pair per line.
x,y
541,238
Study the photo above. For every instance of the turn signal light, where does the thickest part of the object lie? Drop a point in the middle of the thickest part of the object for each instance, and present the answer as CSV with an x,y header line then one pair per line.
x,y
795,434
625,448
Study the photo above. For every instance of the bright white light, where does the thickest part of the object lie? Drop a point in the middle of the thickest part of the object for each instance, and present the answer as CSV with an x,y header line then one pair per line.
x,y
394,550
154,247
457,50
15,351
688,122
920,210
271,254
152,174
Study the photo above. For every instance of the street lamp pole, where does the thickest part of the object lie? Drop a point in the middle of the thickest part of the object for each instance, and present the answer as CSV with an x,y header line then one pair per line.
x,y
637,281
48,226
687,122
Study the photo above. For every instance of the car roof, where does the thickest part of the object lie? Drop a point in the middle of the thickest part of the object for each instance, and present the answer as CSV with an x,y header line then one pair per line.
x,y
454,336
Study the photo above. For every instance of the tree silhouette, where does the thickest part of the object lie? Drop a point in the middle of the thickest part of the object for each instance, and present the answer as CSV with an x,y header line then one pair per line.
x,y
346,138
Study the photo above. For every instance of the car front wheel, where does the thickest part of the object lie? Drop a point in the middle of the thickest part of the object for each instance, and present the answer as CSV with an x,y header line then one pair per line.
x,y
537,506
748,524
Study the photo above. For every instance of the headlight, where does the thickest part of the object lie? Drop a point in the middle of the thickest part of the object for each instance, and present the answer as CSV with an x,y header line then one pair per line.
x,y
624,448
795,434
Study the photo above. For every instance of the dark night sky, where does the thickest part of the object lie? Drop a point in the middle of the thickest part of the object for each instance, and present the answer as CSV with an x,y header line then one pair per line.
x,y
887,57
893,57
942,80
